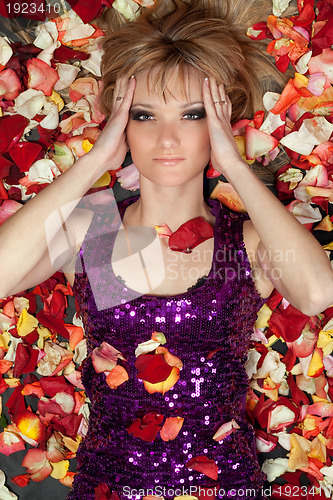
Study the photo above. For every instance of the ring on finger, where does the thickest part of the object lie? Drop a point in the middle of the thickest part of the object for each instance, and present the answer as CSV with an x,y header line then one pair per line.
x,y
220,102
119,98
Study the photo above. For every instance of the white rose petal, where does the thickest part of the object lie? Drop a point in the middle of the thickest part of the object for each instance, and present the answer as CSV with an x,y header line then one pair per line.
x,y
148,346
274,468
281,415
306,213
270,99
302,64
47,54
67,74
80,352
251,362
279,6
46,34
76,31
312,132
128,8
51,120
29,102
5,51
93,64
271,123
42,171
284,440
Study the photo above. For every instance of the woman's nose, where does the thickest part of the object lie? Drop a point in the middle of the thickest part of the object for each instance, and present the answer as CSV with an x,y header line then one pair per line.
x,y
168,136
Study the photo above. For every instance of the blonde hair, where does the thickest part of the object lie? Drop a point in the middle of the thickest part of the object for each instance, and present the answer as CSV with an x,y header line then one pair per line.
x,y
208,36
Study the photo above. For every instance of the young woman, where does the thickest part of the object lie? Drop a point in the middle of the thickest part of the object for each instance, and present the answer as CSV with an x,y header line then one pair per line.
x,y
166,353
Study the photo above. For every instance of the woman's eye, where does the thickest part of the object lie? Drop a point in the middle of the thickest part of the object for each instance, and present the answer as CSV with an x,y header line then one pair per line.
x,y
195,115
140,116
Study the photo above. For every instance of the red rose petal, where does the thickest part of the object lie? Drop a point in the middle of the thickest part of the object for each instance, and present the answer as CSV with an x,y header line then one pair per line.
x,y
64,54
102,492
298,396
152,368
25,359
21,480
68,426
52,385
147,427
11,130
203,464
190,234
287,323
15,403
24,154
55,325
87,10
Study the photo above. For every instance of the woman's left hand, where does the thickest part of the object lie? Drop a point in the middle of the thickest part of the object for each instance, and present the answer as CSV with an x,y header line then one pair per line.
x,y
218,109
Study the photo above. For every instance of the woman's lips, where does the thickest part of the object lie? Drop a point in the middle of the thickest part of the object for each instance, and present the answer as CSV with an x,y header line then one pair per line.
x,y
169,160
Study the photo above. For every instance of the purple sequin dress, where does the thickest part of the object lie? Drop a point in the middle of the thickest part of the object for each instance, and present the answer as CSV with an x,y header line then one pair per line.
x,y
217,315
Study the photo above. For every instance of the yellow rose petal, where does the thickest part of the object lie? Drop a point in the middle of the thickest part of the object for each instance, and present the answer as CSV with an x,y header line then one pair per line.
x,y
264,315
102,181
57,99
86,145
59,469
26,323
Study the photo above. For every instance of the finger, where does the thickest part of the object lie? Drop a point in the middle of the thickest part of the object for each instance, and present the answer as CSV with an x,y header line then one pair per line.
x,y
227,106
126,102
119,94
115,94
208,99
219,99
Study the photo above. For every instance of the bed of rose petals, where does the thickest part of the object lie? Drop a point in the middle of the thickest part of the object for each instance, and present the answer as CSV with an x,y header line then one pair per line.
x,y
49,118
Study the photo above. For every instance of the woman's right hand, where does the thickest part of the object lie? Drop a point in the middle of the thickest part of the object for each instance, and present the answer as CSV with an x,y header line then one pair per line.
x,y
110,149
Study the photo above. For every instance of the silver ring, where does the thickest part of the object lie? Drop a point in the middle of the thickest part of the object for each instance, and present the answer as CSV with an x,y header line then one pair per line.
x,y
119,98
220,102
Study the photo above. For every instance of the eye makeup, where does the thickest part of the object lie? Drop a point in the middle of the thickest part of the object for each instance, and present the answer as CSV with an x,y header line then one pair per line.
x,y
142,114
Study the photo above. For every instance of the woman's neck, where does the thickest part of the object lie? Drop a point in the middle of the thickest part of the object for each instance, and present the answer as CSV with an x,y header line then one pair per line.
x,y
167,205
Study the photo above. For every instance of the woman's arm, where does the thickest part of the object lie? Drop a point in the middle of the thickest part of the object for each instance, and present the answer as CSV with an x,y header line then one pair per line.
x,y
40,223
292,258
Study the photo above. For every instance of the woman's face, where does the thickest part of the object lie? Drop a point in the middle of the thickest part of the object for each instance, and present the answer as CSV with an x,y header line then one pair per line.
x,y
168,138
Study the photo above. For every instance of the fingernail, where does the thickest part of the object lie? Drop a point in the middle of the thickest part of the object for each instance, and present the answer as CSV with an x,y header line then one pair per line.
x,y
132,76
206,81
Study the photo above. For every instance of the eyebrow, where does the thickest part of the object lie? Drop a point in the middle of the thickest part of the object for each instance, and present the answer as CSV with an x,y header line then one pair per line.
x,y
149,106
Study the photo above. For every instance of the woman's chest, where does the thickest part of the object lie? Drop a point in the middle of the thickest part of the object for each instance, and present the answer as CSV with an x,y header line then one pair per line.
x,y
147,265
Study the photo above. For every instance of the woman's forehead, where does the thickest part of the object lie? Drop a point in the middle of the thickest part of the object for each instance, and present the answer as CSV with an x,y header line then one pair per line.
x,y
180,85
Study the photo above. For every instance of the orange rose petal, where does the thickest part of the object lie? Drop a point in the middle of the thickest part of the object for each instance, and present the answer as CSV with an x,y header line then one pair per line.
x,y
169,358
316,366
117,376
171,428
39,468
300,447
227,195
68,479
318,450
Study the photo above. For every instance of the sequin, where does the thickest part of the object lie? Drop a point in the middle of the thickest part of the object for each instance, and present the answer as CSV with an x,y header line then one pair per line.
x,y
209,329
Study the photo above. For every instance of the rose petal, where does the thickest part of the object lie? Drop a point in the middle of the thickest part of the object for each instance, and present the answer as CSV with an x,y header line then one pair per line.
x,y
203,464
37,465
227,195
104,357
41,76
171,428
